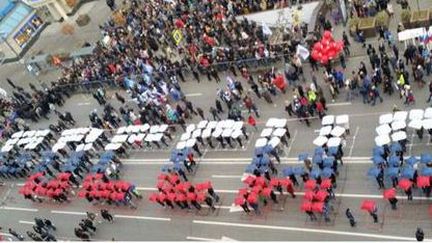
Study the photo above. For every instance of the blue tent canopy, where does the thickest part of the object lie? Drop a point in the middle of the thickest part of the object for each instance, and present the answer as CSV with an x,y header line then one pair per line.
x,y
373,171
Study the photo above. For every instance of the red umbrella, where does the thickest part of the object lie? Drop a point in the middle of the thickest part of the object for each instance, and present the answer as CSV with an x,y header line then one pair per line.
x,y
50,193
160,184
173,179
256,189
422,181
105,194
306,206
326,184
249,180
310,184
260,181
318,207
98,176
181,197
200,197
405,184
285,182
208,184
109,186
191,196
243,191
162,196
200,186
239,200
274,182
252,198
171,196
321,195
266,192
389,193
309,195
82,194
368,205
162,177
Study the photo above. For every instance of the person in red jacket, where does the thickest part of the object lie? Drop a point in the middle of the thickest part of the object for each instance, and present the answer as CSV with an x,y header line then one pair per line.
x,y
252,121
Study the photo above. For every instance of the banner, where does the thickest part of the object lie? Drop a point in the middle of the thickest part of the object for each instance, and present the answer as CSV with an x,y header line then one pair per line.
x,y
177,36
303,52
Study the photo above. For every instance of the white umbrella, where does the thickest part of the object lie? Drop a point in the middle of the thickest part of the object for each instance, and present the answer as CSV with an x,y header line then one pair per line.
x,y
227,132
266,132
384,129
416,124
217,132
229,123
190,128
212,124
236,133
320,141
342,119
398,125
382,140
274,142
18,134
206,133
337,131
428,113
324,131
196,133
334,142
202,124
190,143
400,116
279,132
238,125
328,120
280,123
416,114
260,142
271,122
427,124
163,128
398,136
185,136
144,128
181,145
386,118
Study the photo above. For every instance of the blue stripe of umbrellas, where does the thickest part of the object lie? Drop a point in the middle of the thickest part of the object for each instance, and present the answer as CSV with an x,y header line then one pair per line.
x,y
393,162
177,157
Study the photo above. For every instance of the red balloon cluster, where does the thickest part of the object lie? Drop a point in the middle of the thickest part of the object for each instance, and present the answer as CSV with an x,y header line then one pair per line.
x,y
326,49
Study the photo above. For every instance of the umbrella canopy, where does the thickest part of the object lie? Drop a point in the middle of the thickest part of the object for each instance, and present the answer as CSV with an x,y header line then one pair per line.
x,y
405,184
394,160
259,151
395,147
425,158
240,200
250,168
310,184
333,150
378,159
321,195
315,173
287,171
426,171
368,205
303,156
318,207
285,182
260,181
411,160
328,161
373,171
423,181
319,151
249,180
378,150
274,182
306,206
389,193
252,198
325,184
298,170
309,195
407,172
317,159
327,172
392,171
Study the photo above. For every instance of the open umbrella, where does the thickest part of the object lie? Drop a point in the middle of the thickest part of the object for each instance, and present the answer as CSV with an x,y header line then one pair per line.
x,y
327,172
394,160
250,168
274,182
325,184
411,160
287,171
378,150
392,171
423,181
256,189
389,193
319,151
407,172
378,159
306,206
258,151
285,182
368,205
310,184
259,180
309,195
321,195
249,180
252,198
243,191
266,192
373,171
317,159
405,184
328,161
333,150
425,158
426,171
318,207
315,173
298,170
303,156
165,168
395,147
240,200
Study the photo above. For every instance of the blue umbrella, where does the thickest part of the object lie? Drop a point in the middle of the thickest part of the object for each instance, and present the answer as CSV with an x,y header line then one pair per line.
x,y
108,154
298,170
263,169
165,168
268,148
392,171
394,161
407,172
258,151
303,156
395,147
426,171
373,171
328,162
378,159
378,150
173,156
411,160
319,151
327,172
265,160
250,168
317,159
287,171
333,150
425,158
315,173
255,160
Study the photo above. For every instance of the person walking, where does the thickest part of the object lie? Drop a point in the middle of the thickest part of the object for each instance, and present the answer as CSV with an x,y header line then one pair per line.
x,y
374,214
200,113
350,217
252,122
107,216
88,223
419,234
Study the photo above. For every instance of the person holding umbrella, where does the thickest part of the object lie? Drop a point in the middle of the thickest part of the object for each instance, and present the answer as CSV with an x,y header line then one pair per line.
x,y
390,195
350,217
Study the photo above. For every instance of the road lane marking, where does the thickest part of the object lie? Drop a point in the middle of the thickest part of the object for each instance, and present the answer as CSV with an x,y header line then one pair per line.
x,y
227,176
193,94
200,239
26,222
84,103
319,231
67,212
19,209
339,104
292,142
141,217
234,159
353,142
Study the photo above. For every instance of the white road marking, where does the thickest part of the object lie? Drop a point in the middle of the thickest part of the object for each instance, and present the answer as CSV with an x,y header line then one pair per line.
x,y
227,176
353,162
233,159
292,142
67,212
339,104
19,209
319,231
224,238
353,142
193,94
141,217
26,222
83,103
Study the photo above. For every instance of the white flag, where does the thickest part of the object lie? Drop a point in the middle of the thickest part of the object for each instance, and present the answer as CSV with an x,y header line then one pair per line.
x,y
302,51
266,30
